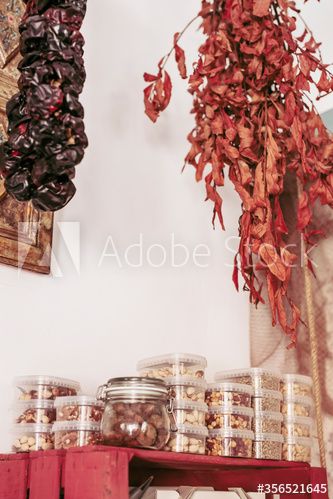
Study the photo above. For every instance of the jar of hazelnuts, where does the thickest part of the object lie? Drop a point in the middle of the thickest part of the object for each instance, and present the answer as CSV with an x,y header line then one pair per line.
x,y
137,412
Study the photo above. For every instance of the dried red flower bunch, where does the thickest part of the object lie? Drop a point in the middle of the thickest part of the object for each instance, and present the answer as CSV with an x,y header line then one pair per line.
x,y
254,123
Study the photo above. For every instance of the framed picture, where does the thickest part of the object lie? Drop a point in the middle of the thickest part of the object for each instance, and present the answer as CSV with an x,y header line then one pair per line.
x,y
25,233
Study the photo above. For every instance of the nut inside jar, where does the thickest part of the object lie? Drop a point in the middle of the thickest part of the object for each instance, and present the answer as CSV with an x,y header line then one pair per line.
x,y
297,385
188,439
229,418
185,388
75,434
35,411
297,426
267,400
267,446
189,413
297,406
297,449
80,408
259,378
45,387
176,364
32,437
267,422
229,443
228,393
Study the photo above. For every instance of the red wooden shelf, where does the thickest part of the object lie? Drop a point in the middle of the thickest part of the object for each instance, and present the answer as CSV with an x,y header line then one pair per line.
x,y
106,472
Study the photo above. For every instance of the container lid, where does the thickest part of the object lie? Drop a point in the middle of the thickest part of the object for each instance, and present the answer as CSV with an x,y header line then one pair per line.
x,y
185,381
227,433
23,381
307,442
78,400
230,387
32,428
270,394
75,426
271,437
298,378
252,371
172,359
133,388
190,406
274,416
191,430
24,405
298,420
233,409
294,399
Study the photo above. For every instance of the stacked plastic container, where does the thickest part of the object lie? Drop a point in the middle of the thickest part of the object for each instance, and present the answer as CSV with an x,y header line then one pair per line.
x,y
185,376
298,419
266,406
35,410
78,421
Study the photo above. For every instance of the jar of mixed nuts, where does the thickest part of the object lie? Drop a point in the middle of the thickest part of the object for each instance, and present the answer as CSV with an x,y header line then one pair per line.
x,y
267,422
79,408
229,417
267,446
228,393
136,412
296,385
187,388
297,426
229,443
34,411
173,364
297,406
297,449
189,413
45,387
31,437
69,434
259,378
267,400
188,439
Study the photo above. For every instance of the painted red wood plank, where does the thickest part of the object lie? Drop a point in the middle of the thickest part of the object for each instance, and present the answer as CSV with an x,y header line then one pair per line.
x,y
13,476
45,474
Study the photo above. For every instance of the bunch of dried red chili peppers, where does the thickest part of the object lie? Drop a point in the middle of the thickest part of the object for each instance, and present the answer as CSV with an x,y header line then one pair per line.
x,y
254,122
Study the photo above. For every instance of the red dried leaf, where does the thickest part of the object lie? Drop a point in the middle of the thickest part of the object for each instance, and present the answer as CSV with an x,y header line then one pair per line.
x,y
273,261
180,57
261,7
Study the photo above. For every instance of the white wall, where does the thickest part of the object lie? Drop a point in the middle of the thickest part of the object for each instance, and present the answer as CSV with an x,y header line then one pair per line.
x,y
98,323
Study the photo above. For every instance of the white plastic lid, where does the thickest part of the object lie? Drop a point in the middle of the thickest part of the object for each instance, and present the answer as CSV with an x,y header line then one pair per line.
x,y
270,394
172,359
78,400
75,426
298,378
306,441
271,437
200,431
185,381
32,428
227,433
24,381
252,371
307,401
274,416
24,405
190,406
230,387
298,420
234,409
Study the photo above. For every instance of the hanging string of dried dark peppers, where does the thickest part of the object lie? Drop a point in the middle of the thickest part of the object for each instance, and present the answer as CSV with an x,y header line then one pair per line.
x,y
46,137
255,123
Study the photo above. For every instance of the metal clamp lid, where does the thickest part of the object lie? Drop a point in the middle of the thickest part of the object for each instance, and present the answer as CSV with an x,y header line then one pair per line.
x,y
133,388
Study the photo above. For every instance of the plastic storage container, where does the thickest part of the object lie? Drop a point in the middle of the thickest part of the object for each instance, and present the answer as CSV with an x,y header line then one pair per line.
x,y
45,387
189,413
268,446
258,377
297,426
297,449
31,437
188,439
267,400
267,422
35,411
296,385
297,406
136,412
229,443
173,364
229,417
76,434
229,393
187,388
80,408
